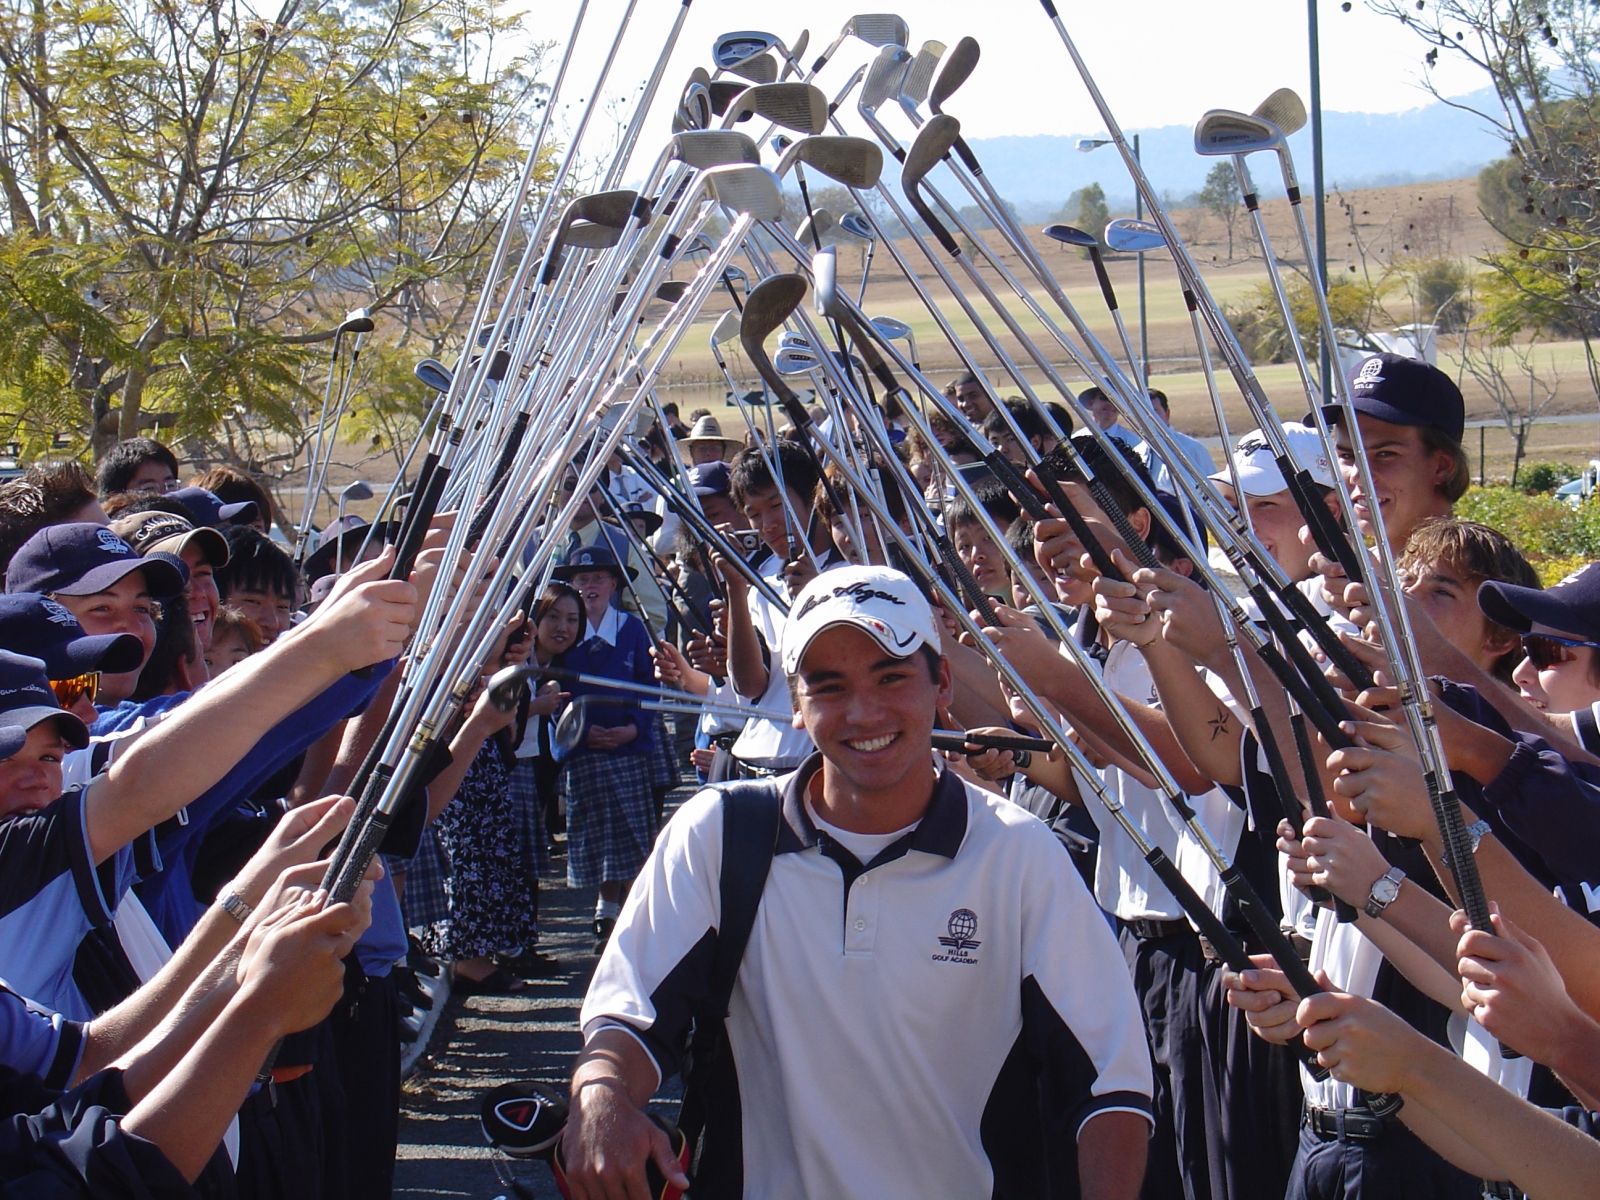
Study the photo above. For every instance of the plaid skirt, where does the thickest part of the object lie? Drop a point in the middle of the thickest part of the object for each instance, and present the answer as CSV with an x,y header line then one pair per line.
x,y
663,761
611,820
531,832
425,901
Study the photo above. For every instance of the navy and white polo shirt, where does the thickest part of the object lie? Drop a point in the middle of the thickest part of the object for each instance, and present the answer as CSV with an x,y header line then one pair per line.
x,y
36,1041
938,1022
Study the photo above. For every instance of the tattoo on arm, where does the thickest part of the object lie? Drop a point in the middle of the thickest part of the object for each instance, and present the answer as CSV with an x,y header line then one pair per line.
x,y
1219,723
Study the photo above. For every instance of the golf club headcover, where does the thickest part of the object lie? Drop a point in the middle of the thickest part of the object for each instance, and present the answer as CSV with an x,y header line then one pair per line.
x,y
524,1120
655,1182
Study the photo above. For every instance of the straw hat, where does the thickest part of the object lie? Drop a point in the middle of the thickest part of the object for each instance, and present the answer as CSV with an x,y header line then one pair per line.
x,y
706,429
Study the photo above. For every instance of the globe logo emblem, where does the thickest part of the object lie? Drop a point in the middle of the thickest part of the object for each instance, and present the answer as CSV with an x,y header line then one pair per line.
x,y
963,923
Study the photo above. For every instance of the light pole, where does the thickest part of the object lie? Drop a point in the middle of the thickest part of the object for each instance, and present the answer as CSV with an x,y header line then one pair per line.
x,y
1086,145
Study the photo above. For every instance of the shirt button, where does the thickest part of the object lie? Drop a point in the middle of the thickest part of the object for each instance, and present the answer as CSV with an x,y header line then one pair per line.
x,y
860,925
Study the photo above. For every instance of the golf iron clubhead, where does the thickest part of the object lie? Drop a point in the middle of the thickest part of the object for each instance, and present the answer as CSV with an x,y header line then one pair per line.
x,y
703,149
1223,131
752,190
758,68
1126,235
884,77
769,305
856,225
919,75
730,49
854,162
1284,109
433,374
796,106
820,223
958,65
1070,235
726,328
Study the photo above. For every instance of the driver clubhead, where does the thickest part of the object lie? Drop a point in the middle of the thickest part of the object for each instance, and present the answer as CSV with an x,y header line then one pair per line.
x,y
884,78
796,106
1285,109
433,374
1126,235
1222,131
851,161
958,65
523,1120
856,225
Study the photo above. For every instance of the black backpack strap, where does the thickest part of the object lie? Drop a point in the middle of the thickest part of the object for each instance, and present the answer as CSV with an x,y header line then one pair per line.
x,y
752,811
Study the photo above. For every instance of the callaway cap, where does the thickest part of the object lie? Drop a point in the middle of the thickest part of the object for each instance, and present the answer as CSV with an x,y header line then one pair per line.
x,y
81,559
1258,468
46,630
168,533
208,508
26,699
1571,606
710,479
1405,391
882,603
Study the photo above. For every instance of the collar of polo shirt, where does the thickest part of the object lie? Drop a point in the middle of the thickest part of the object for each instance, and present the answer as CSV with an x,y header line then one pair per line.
x,y
941,830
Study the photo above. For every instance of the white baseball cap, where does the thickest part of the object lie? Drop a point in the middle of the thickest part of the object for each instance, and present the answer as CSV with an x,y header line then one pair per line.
x,y
1258,468
883,604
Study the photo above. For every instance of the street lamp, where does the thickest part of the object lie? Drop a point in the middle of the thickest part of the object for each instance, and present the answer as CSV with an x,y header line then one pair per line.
x,y
1085,145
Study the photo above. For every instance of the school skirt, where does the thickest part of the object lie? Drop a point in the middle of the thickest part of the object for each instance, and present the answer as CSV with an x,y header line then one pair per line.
x,y
611,822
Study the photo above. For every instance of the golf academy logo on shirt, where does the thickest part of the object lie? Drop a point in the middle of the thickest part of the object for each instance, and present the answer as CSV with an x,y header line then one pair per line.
x,y
962,925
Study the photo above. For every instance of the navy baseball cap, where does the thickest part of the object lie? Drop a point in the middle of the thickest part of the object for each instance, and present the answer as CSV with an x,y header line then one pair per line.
x,y
1572,606
710,479
598,557
26,699
41,627
81,558
1405,391
208,508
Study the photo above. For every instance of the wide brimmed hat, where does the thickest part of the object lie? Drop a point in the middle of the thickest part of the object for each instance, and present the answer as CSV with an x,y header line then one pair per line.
x,y
598,557
708,429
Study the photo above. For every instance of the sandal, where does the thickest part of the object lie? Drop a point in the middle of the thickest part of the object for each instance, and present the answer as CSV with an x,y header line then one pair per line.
x,y
498,982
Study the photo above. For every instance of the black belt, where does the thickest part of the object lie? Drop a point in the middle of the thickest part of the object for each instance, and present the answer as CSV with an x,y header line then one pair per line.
x,y
752,771
725,741
1357,1125
1148,930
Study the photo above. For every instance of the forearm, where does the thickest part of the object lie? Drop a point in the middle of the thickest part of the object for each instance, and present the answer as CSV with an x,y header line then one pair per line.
x,y
1578,1063
1206,730
746,671
159,1054
1434,980
613,1058
1111,1156
1424,922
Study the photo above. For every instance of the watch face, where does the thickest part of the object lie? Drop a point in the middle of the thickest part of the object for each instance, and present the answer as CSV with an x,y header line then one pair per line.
x,y
1386,889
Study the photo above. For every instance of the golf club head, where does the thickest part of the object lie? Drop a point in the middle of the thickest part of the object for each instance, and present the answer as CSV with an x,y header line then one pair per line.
x,y
726,328
919,75
488,332
569,729
825,275
794,361
357,320
893,329
359,490
797,106
958,64
770,304
758,68
884,77
723,92
1222,131
800,44
1128,236
877,29
694,104
605,208
1284,109
821,222
1071,235
433,374
703,149
748,189
734,275
933,143
854,162
856,225
672,290
586,235
791,339
700,245
731,49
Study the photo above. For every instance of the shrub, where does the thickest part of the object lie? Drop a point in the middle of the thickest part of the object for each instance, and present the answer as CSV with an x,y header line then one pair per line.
x,y
1542,527
1546,476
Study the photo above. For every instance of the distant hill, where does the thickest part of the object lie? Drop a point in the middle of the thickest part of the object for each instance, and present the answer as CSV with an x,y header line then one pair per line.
x,y
1435,141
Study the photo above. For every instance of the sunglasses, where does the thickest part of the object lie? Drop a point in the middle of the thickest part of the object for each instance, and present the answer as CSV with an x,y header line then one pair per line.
x,y
70,691
1546,650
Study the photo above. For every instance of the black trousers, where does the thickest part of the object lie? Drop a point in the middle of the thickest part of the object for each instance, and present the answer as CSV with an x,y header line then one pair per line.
x,y
1396,1166
284,1141
366,1034
1167,975
1252,1099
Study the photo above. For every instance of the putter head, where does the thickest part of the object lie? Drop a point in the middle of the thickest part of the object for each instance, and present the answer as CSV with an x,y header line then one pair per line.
x,y
731,49
357,320
751,190
856,225
723,92
797,106
958,64
884,77
891,328
877,29
726,328
703,149
433,374
1222,131
821,221
672,290
1284,109
919,75
1071,235
758,68
854,162
1128,236
770,304
933,143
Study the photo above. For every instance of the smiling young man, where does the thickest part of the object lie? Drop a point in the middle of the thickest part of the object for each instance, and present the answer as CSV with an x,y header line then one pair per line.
x,y
928,1003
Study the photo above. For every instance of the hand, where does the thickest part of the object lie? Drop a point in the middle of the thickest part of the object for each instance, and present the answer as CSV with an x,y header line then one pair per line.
x,y
797,573
518,646
1382,780
371,622
550,700
286,890
1342,859
1024,646
1361,1042
735,583
607,1142
702,759
1122,609
1513,989
1189,619
1058,550
1300,873
1333,577
297,838
487,718
1264,996
602,738
990,765
296,972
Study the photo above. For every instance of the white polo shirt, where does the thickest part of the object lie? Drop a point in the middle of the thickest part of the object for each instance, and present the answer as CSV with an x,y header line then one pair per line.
x,y
893,1027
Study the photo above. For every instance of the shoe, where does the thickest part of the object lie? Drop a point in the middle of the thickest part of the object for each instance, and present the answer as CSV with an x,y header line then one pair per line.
x,y
602,932
529,964
420,962
498,982
411,989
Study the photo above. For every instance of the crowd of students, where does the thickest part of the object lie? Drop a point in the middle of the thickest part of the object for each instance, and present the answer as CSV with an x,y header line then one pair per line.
x,y
183,701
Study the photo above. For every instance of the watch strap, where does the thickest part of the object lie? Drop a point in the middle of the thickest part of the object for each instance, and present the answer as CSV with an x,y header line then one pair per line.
x,y
236,908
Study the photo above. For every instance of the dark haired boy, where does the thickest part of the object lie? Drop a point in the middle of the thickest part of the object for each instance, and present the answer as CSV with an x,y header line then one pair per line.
x,y
138,464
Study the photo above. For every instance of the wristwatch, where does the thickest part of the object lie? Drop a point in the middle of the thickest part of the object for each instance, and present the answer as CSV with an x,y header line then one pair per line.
x,y
236,908
1475,833
1384,892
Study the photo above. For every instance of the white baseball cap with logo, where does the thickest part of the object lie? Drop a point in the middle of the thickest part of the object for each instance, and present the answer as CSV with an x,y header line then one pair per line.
x,y
883,604
1258,468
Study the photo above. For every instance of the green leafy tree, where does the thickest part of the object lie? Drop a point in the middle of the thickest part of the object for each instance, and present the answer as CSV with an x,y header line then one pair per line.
x,y
192,195
1220,197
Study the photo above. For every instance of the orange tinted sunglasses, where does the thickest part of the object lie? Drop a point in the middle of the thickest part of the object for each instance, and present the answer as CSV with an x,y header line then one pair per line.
x,y
69,691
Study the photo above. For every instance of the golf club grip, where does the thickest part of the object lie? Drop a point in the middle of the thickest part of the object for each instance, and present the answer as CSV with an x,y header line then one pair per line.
x,y
418,517
1292,683
355,867
365,807
1210,925
1014,482
966,584
1106,290
1265,927
430,464
958,741
1338,653
1137,546
1093,546
936,226
1458,848
502,468
1306,683
967,156
1325,531
1317,800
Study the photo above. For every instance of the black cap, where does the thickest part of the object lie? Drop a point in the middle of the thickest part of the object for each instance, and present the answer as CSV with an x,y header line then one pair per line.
x,y
36,625
1405,391
26,699
1571,606
81,558
710,479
